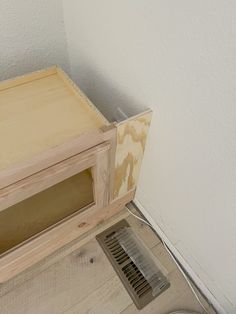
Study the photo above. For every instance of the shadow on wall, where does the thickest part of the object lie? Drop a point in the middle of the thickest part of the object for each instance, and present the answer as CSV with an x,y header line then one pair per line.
x,y
107,97
14,67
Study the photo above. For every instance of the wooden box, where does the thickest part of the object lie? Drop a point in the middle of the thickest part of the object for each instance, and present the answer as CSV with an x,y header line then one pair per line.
x,y
63,167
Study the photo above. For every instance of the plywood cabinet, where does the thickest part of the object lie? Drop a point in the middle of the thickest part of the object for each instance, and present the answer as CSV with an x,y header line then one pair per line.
x,y
63,167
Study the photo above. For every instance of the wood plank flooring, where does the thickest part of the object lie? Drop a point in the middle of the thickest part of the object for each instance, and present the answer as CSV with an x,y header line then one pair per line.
x,y
79,279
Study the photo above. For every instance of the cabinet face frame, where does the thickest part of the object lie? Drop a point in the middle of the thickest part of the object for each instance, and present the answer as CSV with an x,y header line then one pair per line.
x,y
96,159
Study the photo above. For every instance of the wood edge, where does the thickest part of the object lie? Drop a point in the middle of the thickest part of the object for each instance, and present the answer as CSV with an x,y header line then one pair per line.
x,y
79,94
101,178
22,79
51,156
137,116
113,142
111,136
44,245
148,112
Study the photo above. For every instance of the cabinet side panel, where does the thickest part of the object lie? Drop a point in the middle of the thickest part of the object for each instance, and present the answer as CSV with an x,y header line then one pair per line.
x,y
131,140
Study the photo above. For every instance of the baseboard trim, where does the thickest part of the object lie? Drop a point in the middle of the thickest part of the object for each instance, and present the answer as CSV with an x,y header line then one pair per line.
x,y
201,286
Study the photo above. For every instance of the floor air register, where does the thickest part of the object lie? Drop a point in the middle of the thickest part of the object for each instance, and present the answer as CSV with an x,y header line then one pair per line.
x,y
135,265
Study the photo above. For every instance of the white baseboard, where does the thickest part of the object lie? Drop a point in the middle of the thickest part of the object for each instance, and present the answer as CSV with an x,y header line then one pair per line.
x,y
182,261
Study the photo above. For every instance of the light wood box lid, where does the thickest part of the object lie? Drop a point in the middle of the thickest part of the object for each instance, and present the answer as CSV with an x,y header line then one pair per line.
x,y
39,111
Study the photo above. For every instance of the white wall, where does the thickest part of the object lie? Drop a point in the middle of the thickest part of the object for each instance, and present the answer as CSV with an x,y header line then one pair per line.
x,y
178,57
32,36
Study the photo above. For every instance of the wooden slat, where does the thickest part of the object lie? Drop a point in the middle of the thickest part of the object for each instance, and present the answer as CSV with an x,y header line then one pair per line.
x,y
112,131
4,85
53,156
101,177
131,140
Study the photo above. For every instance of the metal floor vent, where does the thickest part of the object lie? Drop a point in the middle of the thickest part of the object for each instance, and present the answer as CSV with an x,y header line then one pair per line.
x,y
132,262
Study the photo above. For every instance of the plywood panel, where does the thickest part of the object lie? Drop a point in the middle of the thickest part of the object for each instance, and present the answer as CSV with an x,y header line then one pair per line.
x,y
40,113
131,140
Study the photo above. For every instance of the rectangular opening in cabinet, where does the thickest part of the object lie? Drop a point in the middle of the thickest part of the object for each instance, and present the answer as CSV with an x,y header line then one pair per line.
x,y
28,218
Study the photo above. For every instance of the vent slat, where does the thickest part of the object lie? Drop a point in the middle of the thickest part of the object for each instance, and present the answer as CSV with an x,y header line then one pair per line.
x,y
124,260
114,247
130,272
118,251
142,287
133,280
144,291
127,267
121,257
138,282
132,276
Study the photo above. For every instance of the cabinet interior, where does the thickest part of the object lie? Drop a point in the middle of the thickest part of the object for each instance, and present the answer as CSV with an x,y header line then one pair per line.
x,y
28,218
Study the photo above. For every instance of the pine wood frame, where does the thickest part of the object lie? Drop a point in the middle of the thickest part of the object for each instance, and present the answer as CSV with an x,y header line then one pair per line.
x,y
98,149
98,158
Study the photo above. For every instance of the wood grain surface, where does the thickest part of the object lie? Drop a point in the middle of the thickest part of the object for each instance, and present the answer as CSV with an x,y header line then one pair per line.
x,y
131,140
40,113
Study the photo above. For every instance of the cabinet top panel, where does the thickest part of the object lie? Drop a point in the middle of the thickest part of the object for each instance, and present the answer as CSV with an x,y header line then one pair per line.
x,y
39,111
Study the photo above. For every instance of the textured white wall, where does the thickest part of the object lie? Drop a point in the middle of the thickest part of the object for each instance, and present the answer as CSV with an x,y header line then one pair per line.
x,y
179,58
32,36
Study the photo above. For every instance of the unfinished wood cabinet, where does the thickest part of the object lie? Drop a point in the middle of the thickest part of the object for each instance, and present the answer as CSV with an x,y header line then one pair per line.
x,y
63,167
